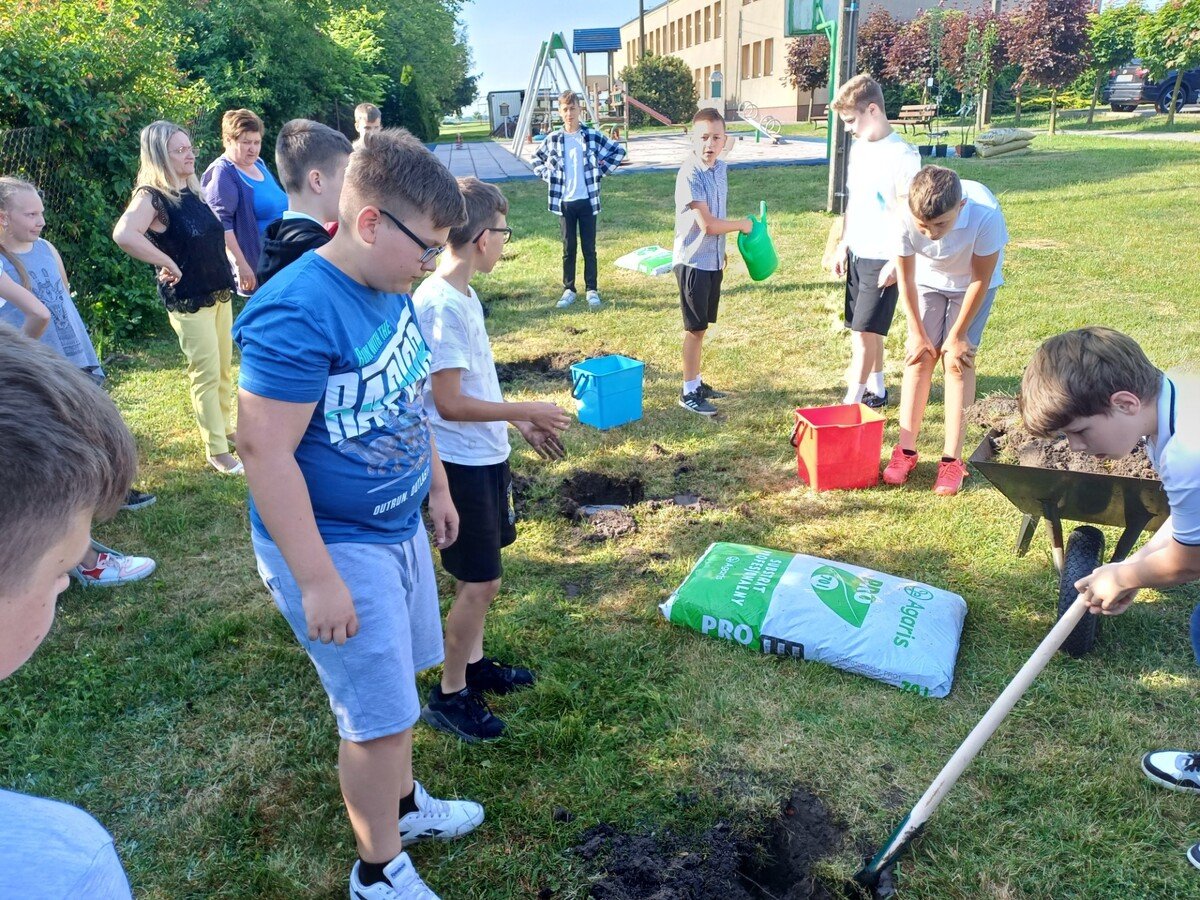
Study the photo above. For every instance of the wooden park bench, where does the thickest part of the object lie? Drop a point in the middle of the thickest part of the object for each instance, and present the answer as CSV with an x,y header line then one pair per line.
x,y
917,115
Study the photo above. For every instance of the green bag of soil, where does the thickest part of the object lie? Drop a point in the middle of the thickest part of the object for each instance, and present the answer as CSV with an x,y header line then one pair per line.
x,y
788,604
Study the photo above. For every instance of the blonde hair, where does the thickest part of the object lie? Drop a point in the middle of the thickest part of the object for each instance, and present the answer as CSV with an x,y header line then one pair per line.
x,y
857,94
10,186
155,169
484,202
569,98
1074,375
395,171
237,122
935,190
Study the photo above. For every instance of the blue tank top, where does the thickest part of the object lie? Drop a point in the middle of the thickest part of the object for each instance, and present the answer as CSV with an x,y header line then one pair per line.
x,y
270,201
66,332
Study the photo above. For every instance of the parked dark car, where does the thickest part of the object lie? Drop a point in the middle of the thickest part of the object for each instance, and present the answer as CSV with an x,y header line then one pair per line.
x,y
1130,85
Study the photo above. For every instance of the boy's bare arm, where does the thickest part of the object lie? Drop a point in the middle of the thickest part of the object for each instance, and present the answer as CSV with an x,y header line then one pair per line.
x,y
834,257
269,431
455,406
1162,563
441,507
918,342
956,348
37,316
712,225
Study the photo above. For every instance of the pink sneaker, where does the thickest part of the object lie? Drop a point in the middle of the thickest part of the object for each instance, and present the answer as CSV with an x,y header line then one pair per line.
x,y
113,568
949,477
899,467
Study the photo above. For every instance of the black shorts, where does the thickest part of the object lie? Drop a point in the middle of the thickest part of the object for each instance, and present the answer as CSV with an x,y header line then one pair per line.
x,y
486,520
699,296
868,308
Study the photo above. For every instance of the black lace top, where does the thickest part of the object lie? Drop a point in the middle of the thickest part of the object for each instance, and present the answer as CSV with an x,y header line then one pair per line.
x,y
195,239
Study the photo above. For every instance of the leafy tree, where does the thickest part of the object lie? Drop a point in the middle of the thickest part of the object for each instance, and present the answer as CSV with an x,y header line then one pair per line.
x,y
876,35
1051,44
911,59
1113,36
663,83
1169,38
464,94
807,65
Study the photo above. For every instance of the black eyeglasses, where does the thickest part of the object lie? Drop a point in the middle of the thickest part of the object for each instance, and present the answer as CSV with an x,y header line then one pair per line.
x,y
430,253
507,232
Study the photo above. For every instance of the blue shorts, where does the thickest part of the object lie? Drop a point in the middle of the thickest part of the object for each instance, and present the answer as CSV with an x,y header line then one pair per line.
x,y
371,679
939,311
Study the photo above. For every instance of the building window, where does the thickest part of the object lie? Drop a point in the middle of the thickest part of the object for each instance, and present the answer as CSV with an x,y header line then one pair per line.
x,y
717,19
769,56
691,30
707,92
696,77
745,60
756,68
708,23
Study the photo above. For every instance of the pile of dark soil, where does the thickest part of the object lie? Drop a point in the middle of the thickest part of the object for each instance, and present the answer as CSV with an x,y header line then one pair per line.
x,y
547,366
1016,446
718,864
598,489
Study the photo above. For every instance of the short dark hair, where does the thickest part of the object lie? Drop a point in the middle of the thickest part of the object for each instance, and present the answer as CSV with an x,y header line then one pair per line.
x,y
708,114
484,202
237,122
368,111
569,98
65,451
935,190
857,94
394,170
304,145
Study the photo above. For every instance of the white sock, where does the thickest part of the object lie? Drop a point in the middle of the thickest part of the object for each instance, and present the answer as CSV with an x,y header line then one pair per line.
x,y
691,386
875,384
854,393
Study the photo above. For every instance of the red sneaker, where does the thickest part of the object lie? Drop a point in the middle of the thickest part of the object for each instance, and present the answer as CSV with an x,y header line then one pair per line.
x,y
899,467
949,477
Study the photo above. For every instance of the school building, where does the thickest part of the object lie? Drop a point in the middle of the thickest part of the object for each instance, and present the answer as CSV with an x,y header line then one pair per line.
x,y
744,41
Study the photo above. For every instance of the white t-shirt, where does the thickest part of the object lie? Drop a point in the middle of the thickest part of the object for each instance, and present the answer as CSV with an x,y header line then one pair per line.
x,y
452,324
1175,452
877,180
574,161
945,265
54,851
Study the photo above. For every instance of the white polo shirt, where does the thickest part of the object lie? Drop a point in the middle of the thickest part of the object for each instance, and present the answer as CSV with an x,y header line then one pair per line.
x,y
877,180
945,265
1175,452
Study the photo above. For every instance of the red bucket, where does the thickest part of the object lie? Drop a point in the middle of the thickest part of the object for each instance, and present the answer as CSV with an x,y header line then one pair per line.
x,y
838,447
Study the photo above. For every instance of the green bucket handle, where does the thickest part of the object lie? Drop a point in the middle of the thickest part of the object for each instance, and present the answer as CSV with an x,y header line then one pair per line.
x,y
756,248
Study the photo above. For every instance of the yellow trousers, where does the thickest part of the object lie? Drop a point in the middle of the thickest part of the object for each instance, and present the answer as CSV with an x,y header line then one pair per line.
x,y
206,339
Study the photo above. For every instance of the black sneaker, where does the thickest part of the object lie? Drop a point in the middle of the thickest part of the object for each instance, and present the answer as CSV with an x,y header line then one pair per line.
x,y
874,401
708,392
465,715
492,677
138,500
1194,855
697,403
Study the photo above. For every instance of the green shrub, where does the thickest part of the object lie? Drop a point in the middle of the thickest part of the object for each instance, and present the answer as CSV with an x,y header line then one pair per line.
x,y
664,83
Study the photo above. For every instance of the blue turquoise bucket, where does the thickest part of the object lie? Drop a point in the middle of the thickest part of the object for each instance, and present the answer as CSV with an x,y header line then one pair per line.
x,y
608,390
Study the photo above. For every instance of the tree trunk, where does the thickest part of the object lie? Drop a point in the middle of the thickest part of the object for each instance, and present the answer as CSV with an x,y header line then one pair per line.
x,y
1053,112
1095,97
1174,97
811,91
1017,111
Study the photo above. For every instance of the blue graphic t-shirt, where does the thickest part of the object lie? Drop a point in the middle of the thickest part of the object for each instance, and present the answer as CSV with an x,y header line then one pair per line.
x,y
313,334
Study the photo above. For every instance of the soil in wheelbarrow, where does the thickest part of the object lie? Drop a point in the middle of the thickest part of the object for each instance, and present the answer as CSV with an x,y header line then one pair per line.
x,y
1016,446
718,864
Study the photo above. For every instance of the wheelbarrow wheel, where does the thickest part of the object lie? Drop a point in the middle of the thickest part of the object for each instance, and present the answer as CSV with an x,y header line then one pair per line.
x,y
1085,549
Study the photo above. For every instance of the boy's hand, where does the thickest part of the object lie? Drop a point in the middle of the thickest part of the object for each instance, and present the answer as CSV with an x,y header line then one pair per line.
x,y
1103,592
959,353
545,443
444,517
835,261
329,612
917,345
247,282
548,417
746,226
887,275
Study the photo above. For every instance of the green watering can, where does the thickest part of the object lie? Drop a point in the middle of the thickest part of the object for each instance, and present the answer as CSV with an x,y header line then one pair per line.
x,y
756,247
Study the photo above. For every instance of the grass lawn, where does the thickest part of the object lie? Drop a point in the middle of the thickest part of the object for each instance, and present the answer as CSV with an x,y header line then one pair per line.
x,y
183,714
469,131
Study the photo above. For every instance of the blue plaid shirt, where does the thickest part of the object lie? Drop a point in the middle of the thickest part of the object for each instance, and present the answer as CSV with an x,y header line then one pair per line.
x,y
603,156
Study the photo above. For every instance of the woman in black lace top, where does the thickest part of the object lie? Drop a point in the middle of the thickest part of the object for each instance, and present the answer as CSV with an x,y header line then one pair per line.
x,y
168,225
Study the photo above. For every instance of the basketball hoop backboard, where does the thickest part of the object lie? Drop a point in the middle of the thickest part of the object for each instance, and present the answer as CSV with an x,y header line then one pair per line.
x,y
804,17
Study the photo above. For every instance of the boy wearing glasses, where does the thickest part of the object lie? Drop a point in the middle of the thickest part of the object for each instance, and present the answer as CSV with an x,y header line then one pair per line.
x,y
470,421
339,458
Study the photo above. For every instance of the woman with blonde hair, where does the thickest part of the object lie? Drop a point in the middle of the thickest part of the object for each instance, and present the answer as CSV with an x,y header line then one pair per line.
x,y
168,225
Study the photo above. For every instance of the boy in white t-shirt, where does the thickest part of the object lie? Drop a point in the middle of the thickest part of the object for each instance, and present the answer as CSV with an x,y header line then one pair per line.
x,y
469,419
951,252
68,457
1095,386
881,166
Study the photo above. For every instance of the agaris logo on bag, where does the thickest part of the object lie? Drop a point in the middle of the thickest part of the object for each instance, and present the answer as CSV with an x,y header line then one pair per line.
x,y
848,596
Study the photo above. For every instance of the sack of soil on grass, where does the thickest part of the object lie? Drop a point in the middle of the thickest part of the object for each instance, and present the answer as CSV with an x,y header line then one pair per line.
x,y
787,604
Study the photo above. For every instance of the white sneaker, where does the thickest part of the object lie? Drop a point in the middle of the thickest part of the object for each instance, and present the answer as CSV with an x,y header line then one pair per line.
x,y
1178,770
406,884
113,568
593,299
566,300
441,819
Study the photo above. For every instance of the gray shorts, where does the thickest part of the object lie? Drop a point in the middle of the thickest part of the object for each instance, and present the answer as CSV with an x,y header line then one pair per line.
x,y
371,679
939,311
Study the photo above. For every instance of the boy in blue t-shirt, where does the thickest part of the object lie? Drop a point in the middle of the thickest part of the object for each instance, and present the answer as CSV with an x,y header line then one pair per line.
x,y
339,457
67,457
1096,387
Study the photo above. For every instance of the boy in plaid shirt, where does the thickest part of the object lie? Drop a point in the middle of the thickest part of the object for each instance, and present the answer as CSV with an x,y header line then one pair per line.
x,y
572,161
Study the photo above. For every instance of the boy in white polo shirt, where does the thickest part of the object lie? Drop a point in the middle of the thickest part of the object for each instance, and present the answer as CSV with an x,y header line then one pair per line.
x,y
470,422
1096,386
951,252
882,165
